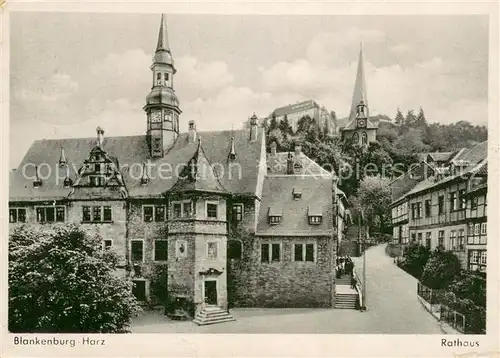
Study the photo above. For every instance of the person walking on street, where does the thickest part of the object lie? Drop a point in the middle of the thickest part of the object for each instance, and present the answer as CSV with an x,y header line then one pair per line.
x,y
353,282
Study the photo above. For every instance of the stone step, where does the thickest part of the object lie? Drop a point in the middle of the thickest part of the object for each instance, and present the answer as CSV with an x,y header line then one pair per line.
x,y
201,321
213,314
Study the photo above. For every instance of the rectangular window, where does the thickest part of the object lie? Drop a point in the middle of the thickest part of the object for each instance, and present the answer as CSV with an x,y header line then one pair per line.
x,y
161,250
107,213
419,210
17,215
276,252
427,208
461,239
177,210
441,204
238,212
270,252
453,201
474,202
264,252
212,210
136,250
482,258
107,244
160,213
483,229
310,252
453,240
428,238
182,209
47,214
441,238
186,209
97,213
212,250
477,229
298,252
147,213
413,237
86,214
413,211
462,200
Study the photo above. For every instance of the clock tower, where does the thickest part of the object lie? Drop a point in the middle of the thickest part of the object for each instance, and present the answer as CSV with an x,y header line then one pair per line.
x,y
162,105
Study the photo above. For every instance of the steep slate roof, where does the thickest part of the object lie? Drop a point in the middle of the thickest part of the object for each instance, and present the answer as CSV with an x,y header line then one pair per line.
x,y
475,156
131,152
277,196
278,164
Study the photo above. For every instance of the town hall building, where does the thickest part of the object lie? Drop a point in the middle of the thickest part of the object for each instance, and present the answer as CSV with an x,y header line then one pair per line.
x,y
231,224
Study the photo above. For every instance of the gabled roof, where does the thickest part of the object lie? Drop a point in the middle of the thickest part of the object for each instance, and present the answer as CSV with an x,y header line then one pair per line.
x,y
476,156
277,197
278,164
131,152
198,175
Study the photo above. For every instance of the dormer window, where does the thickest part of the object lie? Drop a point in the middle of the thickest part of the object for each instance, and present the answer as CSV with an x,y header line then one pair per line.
x,y
315,220
274,215
297,194
315,216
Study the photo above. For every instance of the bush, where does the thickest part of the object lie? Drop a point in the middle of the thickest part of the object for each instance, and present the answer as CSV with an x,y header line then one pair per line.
x,y
62,281
416,256
442,268
475,316
472,286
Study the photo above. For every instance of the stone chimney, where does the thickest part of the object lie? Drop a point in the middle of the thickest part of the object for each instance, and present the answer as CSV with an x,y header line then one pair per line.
x,y
100,136
289,163
298,150
273,149
253,128
191,132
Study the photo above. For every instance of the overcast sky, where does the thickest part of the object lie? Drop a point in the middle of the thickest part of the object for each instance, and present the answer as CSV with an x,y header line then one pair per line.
x,y
73,71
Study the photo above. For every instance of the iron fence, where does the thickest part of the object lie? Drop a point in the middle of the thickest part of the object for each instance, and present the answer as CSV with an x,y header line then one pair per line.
x,y
453,318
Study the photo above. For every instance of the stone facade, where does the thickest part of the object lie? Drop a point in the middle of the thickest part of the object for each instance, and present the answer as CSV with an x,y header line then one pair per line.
x,y
285,283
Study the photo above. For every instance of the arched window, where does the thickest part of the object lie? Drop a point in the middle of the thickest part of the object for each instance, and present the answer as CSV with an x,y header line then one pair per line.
x,y
234,249
355,138
364,138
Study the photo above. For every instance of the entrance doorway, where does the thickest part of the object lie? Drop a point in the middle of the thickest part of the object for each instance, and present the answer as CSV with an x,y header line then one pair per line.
x,y
211,292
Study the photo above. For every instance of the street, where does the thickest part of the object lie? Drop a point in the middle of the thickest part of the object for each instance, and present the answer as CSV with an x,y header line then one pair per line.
x,y
392,308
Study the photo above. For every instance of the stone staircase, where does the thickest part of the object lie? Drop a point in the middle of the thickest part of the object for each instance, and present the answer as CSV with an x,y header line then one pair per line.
x,y
345,296
212,315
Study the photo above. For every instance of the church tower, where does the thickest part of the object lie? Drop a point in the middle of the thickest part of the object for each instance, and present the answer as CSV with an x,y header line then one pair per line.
x,y
360,129
162,105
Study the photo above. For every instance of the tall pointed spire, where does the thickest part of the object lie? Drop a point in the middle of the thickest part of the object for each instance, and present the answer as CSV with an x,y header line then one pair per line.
x,y
163,36
359,93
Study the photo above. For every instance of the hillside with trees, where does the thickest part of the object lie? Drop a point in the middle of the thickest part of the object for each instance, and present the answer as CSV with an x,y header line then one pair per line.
x,y
399,141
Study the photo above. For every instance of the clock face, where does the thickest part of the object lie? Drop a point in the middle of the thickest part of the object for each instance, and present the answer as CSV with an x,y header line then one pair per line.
x,y
361,123
155,117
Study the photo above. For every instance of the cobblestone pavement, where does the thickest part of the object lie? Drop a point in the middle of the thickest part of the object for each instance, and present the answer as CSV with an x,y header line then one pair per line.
x,y
392,307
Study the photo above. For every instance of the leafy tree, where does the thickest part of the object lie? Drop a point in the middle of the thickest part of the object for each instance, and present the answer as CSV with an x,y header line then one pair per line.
x,y
470,285
410,143
61,280
375,196
410,119
285,127
305,125
273,124
421,121
441,270
399,118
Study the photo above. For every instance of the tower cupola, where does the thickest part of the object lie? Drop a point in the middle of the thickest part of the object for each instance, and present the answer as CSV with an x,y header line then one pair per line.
x,y
162,104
